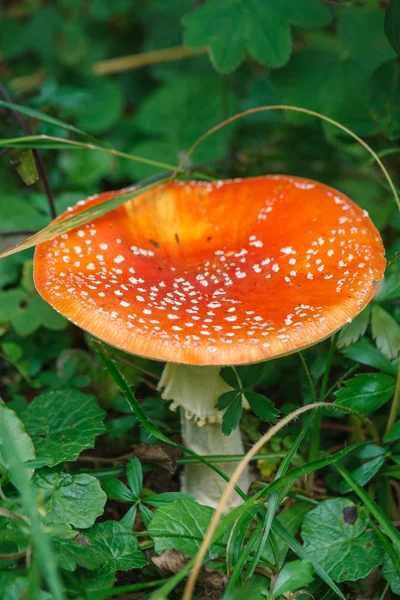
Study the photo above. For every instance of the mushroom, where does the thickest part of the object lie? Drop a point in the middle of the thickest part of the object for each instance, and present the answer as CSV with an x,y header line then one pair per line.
x,y
203,275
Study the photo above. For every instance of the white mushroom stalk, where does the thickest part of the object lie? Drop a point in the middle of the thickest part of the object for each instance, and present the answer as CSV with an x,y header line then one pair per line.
x,y
195,391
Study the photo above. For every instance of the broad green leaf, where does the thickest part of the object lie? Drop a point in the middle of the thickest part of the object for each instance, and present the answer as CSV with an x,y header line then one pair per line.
x,y
342,546
181,526
262,406
13,587
134,474
366,392
393,435
392,24
251,374
367,354
75,500
106,104
85,168
62,423
229,376
21,439
352,332
108,544
167,497
261,28
390,289
386,332
389,573
294,575
385,98
362,35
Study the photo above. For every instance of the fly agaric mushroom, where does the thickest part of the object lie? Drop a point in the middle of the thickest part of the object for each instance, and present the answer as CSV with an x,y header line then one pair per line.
x,y
203,275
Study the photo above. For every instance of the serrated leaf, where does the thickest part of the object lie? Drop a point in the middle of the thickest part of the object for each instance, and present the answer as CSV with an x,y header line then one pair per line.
x,y
341,546
229,376
233,412
62,423
393,434
108,544
118,491
389,573
386,332
367,354
22,440
262,406
75,500
181,525
261,28
390,289
352,332
293,576
251,374
366,392
134,474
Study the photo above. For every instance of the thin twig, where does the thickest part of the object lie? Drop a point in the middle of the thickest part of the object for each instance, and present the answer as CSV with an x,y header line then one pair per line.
x,y
38,159
134,61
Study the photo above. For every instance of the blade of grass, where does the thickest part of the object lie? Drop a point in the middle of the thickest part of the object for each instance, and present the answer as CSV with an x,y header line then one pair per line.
x,y
70,222
375,510
45,553
143,418
123,589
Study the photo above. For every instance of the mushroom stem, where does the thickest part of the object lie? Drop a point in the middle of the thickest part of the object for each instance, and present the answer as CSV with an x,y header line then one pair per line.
x,y
196,391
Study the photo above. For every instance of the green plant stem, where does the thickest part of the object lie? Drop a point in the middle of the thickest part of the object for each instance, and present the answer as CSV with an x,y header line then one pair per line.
x,y
123,589
394,409
316,428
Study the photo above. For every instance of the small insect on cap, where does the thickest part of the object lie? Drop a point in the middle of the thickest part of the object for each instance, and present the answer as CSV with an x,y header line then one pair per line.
x,y
219,273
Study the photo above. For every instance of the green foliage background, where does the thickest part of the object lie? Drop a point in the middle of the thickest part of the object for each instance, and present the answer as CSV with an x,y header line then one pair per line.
x,y
329,56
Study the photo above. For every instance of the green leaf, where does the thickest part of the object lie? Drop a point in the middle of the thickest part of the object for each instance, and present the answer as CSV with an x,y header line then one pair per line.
x,y
386,332
293,576
85,168
104,97
75,500
342,546
366,392
167,497
22,440
232,402
14,587
389,573
390,289
385,98
229,376
118,491
392,24
369,47
393,435
363,474
251,374
367,354
262,406
352,332
62,423
261,28
108,544
181,526
134,474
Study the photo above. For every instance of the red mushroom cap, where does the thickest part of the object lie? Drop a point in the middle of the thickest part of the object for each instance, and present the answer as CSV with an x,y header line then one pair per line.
x,y
228,272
